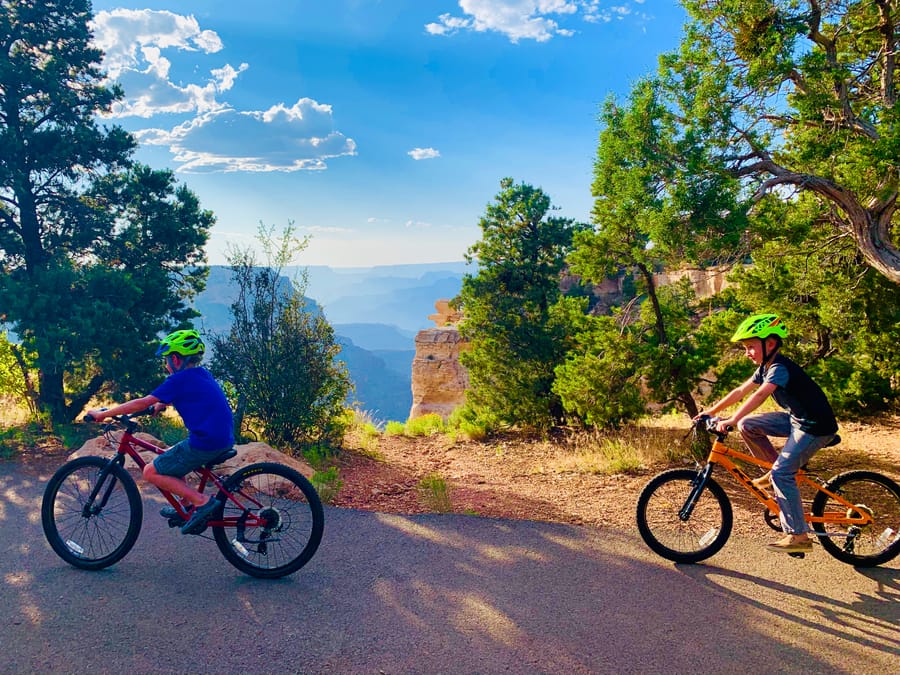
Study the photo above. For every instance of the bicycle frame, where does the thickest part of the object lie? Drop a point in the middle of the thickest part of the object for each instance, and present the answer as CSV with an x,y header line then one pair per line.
x,y
128,445
722,455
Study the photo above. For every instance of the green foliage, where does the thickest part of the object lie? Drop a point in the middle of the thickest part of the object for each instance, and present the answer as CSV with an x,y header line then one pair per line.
x,y
514,342
95,251
654,209
317,456
16,374
843,317
472,423
328,484
394,428
281,354
360,433
17,438
168,428
435,493
793,100
599,382
425,425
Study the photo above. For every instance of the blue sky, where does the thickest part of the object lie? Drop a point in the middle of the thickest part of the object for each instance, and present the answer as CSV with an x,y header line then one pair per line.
x,y
380,128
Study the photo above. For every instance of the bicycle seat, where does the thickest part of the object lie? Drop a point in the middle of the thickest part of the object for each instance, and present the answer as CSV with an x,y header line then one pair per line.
x,y
223,456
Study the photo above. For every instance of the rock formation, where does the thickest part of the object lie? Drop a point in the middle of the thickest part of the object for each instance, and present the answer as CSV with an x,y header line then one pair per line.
x,y
439,381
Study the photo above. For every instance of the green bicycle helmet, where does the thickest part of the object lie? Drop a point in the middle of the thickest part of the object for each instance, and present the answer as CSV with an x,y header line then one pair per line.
x,y
760,326
183,342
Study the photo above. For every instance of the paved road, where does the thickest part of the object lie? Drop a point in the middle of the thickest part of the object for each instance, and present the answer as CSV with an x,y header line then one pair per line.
x,y
448,594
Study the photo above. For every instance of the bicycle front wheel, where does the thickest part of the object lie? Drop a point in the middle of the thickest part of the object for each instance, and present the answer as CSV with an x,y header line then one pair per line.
x,y
91,532
702,535
869,492
280,523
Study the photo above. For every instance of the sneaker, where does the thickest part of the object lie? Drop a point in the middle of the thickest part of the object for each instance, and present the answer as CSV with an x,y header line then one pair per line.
x,y
764,482
199,517
169,512
787,545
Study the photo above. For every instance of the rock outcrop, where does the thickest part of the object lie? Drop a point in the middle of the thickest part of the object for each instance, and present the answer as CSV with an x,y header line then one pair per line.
x,y
706,282
439,381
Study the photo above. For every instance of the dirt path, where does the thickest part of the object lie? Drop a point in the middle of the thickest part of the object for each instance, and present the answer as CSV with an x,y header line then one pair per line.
x,y
512,478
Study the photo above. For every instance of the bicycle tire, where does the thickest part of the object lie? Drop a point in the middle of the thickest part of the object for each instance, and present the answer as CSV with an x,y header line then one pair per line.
x,y
661,528
864,547
102,538
297,521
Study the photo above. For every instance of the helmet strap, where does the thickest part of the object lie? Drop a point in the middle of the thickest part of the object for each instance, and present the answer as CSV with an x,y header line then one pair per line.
x,y
766,357
175,369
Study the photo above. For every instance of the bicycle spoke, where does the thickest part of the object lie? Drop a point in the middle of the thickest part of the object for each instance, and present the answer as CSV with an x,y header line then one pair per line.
x,y
860,544
280,521
80,531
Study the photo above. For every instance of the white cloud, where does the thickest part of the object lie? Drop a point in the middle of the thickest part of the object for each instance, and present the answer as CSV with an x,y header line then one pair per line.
x,y
134,42
219,137
526,19
300,137
423,153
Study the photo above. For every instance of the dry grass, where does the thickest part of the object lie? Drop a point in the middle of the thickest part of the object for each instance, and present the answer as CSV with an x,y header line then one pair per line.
x,y
435,493
631,449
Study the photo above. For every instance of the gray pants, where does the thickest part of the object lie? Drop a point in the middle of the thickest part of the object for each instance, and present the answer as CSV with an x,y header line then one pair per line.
x,y
797,451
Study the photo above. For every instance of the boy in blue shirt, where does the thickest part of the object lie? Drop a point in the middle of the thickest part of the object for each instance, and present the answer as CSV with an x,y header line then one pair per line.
x,y
808,425
202,405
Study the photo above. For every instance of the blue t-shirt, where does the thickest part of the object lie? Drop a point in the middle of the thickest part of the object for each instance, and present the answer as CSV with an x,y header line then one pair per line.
x,y
200,401
796,392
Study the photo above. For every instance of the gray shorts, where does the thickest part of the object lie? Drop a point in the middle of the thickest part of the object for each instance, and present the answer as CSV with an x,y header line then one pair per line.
x,y
181,459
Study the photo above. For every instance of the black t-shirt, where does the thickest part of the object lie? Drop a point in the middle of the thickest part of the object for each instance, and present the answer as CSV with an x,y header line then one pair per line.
x,y
796,392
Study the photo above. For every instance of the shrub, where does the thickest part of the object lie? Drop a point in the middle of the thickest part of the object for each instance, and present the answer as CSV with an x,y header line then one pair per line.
x,y
395,429
435,493
327,483
426,425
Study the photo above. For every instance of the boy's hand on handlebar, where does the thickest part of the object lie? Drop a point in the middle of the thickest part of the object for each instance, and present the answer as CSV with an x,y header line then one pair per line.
x,y
724,426
95,415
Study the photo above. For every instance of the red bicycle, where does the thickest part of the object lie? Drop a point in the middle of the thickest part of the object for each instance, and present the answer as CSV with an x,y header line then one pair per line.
x,y
268,524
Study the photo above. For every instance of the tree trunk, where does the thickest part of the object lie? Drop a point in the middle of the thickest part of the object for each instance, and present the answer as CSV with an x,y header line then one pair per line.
x,y
52,398
869,227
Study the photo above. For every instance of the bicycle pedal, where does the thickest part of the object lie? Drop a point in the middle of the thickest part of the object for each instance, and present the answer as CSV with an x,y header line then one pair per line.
x,y
797,555
175,522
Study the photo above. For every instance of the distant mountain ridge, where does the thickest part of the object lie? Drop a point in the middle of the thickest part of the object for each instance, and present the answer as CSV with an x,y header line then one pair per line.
x,y
394,295
376,313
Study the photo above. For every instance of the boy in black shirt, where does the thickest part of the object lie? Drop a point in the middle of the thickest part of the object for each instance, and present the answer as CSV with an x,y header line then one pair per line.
x,y
808,425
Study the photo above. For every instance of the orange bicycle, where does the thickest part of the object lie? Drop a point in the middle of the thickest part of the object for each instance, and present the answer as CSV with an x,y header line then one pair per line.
x,y
685,516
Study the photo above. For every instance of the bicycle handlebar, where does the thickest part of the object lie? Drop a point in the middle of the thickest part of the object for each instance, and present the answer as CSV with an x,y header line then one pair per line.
x,y
708,423
123,418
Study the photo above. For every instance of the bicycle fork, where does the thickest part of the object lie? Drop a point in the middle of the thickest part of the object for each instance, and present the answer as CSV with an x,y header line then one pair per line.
x,y
106,481
698,485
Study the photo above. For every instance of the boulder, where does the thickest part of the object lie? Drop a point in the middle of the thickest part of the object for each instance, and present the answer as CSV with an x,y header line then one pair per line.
x,y
102,447
248,453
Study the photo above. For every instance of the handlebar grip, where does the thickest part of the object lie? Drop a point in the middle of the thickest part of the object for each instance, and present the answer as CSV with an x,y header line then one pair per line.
x,y
91,418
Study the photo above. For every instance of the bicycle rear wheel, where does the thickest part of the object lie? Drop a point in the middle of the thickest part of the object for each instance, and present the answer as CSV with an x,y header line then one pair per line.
x,y
289,521
91,534
869,545
683,541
